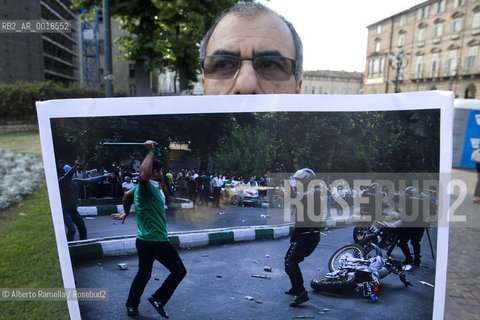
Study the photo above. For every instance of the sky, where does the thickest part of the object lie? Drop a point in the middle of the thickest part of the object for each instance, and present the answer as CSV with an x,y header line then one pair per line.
x,y
340,25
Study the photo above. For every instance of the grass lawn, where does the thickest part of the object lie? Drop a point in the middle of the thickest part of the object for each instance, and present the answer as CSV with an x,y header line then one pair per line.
x,y
25,142
28,254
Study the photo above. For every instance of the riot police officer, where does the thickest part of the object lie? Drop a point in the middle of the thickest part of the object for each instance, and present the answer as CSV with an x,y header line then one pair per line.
x,y
304,239
413,230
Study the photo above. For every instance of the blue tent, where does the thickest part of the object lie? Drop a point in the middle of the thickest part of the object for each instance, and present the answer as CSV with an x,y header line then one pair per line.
x,y
466,132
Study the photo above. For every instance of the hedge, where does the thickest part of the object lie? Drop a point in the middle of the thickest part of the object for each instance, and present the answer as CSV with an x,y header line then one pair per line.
x,y
17,101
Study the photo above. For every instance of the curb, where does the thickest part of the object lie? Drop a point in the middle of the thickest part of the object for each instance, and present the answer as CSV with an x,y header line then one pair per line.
x,y
109,209
99,248
120,246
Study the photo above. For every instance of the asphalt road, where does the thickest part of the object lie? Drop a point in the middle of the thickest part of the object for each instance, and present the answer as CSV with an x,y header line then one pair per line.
x,y
198,218
219,278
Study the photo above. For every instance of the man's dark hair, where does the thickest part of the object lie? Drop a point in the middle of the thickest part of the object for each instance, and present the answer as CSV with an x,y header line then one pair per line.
x,y
157,165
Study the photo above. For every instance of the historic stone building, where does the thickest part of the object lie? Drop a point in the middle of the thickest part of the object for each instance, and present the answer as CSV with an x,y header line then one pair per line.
x,y
431,46
332,82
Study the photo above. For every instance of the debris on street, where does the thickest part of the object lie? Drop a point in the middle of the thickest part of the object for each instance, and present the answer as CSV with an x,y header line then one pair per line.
x,y
261,276
426,284
123,266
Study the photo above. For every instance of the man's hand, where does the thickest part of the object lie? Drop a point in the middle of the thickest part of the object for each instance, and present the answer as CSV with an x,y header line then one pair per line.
x,y
110,175
119,216
150,145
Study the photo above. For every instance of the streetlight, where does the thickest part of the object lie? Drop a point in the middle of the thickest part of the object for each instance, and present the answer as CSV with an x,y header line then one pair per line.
x,y
396,62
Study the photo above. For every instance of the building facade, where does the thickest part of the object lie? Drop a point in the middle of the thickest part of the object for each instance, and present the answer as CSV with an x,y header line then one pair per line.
x,y
39,56
332,82
431,46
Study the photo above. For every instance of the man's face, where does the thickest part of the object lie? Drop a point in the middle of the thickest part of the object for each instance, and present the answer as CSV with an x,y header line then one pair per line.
x,y
248,38
157,175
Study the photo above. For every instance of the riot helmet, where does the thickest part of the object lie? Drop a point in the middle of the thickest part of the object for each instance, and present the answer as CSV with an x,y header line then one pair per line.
x,y
410,191
302,176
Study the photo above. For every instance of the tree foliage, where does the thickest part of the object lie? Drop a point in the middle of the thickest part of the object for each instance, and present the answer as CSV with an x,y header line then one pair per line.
x,y
246,144
163,34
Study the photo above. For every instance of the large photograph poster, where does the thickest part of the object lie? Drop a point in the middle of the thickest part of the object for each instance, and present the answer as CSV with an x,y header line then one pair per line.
x,y
233,237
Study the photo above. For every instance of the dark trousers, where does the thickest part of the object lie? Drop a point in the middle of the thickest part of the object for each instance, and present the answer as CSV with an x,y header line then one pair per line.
x,y
216,196
148,252
414,235
477,186
72,218
300,247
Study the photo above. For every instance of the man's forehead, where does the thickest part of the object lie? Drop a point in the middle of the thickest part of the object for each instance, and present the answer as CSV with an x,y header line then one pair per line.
x,y
262,32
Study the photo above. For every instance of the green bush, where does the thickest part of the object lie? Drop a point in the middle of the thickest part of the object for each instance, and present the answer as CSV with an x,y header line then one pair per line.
x,y
17,101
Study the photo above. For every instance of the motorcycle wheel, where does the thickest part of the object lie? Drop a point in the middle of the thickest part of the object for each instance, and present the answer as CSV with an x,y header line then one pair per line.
x,y
351,250
337,284
359,233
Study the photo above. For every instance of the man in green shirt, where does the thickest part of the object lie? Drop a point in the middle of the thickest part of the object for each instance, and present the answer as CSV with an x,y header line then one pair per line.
x,y
152,238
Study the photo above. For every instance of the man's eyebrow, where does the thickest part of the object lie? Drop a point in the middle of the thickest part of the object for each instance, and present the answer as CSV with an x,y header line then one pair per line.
x,y
255,54
267,53
225,52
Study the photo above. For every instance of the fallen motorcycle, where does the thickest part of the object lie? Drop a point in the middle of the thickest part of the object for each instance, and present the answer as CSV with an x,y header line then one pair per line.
x,y
383,233
351,269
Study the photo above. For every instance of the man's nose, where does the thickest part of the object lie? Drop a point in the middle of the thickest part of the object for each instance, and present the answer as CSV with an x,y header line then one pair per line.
x,y
246,79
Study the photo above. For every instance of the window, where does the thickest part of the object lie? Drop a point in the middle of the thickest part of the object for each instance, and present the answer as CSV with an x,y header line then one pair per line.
x,y
422,13
131,70
133,90
476,20
459,3
313,90
376,67
401,40
319,90
376,64
403,20
456,26
438,30
469,62
435,64
419,68
440,6
451,65
377,46
379,28
421,37
306,89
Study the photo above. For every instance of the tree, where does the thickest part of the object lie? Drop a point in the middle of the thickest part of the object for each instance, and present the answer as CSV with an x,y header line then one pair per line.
x,y
163,34
246,152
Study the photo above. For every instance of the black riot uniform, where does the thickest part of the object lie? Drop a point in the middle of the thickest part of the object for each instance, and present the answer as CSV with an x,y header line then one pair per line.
x,y
303,242
413,230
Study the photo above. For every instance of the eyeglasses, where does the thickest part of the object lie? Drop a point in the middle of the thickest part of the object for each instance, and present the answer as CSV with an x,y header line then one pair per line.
x,y
269,68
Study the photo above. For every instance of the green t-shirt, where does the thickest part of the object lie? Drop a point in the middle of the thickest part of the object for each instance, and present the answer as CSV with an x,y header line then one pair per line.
x,y
150,213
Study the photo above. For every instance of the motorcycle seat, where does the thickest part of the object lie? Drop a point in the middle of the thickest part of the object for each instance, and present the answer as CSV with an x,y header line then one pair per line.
x,y
390,224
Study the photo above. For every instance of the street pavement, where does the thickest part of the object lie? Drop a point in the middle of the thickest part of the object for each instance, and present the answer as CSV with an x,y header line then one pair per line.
x,y
463,280
209,290
220,278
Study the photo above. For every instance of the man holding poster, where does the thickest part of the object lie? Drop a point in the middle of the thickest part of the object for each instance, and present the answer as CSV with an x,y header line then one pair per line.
x,y
272,52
